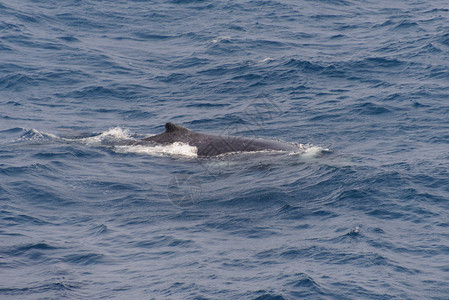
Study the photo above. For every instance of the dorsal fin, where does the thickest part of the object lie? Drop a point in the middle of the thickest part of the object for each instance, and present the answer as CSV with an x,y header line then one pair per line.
x,y
170,127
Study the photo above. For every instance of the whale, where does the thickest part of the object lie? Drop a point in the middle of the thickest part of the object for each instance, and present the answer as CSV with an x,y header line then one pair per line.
x,y
213,145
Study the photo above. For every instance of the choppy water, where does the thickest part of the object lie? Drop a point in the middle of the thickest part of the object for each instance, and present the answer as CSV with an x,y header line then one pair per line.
x,y
84,216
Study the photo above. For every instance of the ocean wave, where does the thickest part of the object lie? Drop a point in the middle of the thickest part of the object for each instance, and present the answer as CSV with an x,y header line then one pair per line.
x,y
84,211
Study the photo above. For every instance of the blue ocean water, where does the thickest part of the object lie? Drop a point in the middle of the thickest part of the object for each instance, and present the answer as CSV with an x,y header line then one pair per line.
x,y
361,212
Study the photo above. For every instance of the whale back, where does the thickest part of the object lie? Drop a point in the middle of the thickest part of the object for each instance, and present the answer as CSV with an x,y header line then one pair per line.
x,y
173,133
173,128
210,145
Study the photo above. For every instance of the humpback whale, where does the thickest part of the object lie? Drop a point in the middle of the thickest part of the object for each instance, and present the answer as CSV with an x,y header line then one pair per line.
x,y
211,145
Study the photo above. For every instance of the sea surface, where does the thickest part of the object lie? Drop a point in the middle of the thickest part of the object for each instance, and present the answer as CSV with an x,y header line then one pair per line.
x,y
360,212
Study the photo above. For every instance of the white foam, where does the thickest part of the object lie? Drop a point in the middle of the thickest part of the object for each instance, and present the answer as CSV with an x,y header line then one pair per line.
x,y
111,135
221,38
267,59
34,134
177,149
309,151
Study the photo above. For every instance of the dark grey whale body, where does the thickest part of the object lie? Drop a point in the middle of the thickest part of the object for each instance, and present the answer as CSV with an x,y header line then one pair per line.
x,y
211,145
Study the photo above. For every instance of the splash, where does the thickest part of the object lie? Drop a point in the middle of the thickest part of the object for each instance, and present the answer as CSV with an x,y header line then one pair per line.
x,y
221,38
34,135
309,151
109,137
175,149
